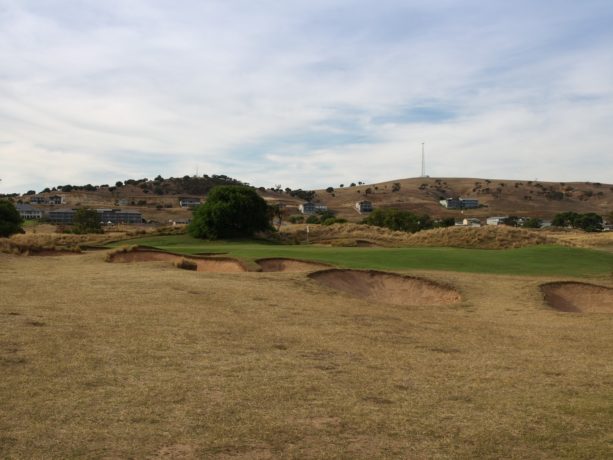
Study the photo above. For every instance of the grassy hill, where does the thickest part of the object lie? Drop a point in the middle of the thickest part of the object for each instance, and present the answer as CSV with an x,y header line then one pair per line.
x,y
499,197
158,199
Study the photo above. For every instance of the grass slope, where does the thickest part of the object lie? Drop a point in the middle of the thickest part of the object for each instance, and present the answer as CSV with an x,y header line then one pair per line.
x,y
538,260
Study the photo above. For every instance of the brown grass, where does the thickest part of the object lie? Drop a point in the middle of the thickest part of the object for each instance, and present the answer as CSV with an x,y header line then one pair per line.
x,y
106,360
488,237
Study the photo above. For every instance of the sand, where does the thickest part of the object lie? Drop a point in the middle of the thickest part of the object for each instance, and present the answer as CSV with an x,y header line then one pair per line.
x,y
387,287
577,297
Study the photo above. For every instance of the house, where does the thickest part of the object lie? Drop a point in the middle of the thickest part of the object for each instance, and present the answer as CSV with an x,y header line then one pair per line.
x,y
498,220
459,203
27,212
189,202
307,208
38,200
117,216
123,202
471,222
55,199
61,216
363,206
320,208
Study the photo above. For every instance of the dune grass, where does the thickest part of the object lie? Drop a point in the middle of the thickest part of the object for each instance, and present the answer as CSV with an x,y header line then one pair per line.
x,y
534,260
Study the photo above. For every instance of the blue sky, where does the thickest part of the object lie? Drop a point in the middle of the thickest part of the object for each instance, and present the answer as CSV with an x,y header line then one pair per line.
x,y
304,93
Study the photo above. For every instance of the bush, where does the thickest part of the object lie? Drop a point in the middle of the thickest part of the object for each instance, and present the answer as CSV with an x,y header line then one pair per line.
x,y
333,220
296,219
230,211
589,222
10,220
312,219
532,222
399,220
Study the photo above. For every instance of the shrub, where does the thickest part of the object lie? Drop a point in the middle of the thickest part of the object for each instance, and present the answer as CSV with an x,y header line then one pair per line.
x,y
312,219
230,211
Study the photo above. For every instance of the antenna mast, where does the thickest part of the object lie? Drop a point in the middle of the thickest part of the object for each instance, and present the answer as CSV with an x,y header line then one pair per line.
x,y
423,161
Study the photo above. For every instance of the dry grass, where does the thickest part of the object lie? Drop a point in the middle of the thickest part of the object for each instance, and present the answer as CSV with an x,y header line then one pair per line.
x,y
489,237
145,361
603,240
46,237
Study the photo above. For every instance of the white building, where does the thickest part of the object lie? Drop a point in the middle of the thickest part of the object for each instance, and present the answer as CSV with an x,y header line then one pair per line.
x,y
496,220
27,212
363,206
189,202
307,208
471,222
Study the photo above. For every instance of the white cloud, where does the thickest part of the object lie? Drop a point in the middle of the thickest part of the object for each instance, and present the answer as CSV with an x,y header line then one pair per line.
x,y
120,89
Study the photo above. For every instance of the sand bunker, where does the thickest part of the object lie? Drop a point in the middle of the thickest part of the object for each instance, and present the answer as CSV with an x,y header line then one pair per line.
x,y
387,287
578,297
218,264
288,265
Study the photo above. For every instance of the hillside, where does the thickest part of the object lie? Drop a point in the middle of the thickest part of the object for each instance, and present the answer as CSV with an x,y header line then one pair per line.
x,y
498,197
158,199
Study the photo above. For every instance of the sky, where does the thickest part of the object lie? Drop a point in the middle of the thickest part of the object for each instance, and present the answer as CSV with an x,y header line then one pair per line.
x,y
304,94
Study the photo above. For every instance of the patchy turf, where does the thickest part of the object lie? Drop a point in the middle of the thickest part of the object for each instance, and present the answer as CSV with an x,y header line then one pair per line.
x,y
103,360
535,260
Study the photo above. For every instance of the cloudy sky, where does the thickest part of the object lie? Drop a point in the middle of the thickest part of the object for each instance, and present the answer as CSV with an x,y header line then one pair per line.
x,y
304,93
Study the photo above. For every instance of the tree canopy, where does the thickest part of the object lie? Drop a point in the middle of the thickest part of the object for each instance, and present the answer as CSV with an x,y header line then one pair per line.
x,y
87,220
10,220
230,211
590,222
399,220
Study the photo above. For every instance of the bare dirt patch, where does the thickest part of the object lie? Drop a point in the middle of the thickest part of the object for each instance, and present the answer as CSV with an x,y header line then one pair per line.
x,y
577,297
289,265
387,287
218,264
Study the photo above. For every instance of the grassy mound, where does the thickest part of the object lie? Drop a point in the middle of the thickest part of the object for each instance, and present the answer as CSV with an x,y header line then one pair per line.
x,y
490,237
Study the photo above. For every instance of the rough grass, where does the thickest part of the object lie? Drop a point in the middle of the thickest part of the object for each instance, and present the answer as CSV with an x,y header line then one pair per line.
x,y
534,260
489,237
140,361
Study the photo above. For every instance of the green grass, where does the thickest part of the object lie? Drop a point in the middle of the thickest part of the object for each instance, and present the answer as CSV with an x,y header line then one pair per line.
x,y
535,260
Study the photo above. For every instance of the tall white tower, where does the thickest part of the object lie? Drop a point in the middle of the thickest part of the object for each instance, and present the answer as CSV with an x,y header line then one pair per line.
x,y
423,160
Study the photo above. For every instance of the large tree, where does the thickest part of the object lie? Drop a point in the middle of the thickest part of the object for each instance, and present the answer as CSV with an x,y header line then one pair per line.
x,y
10,220
230,211
87,220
